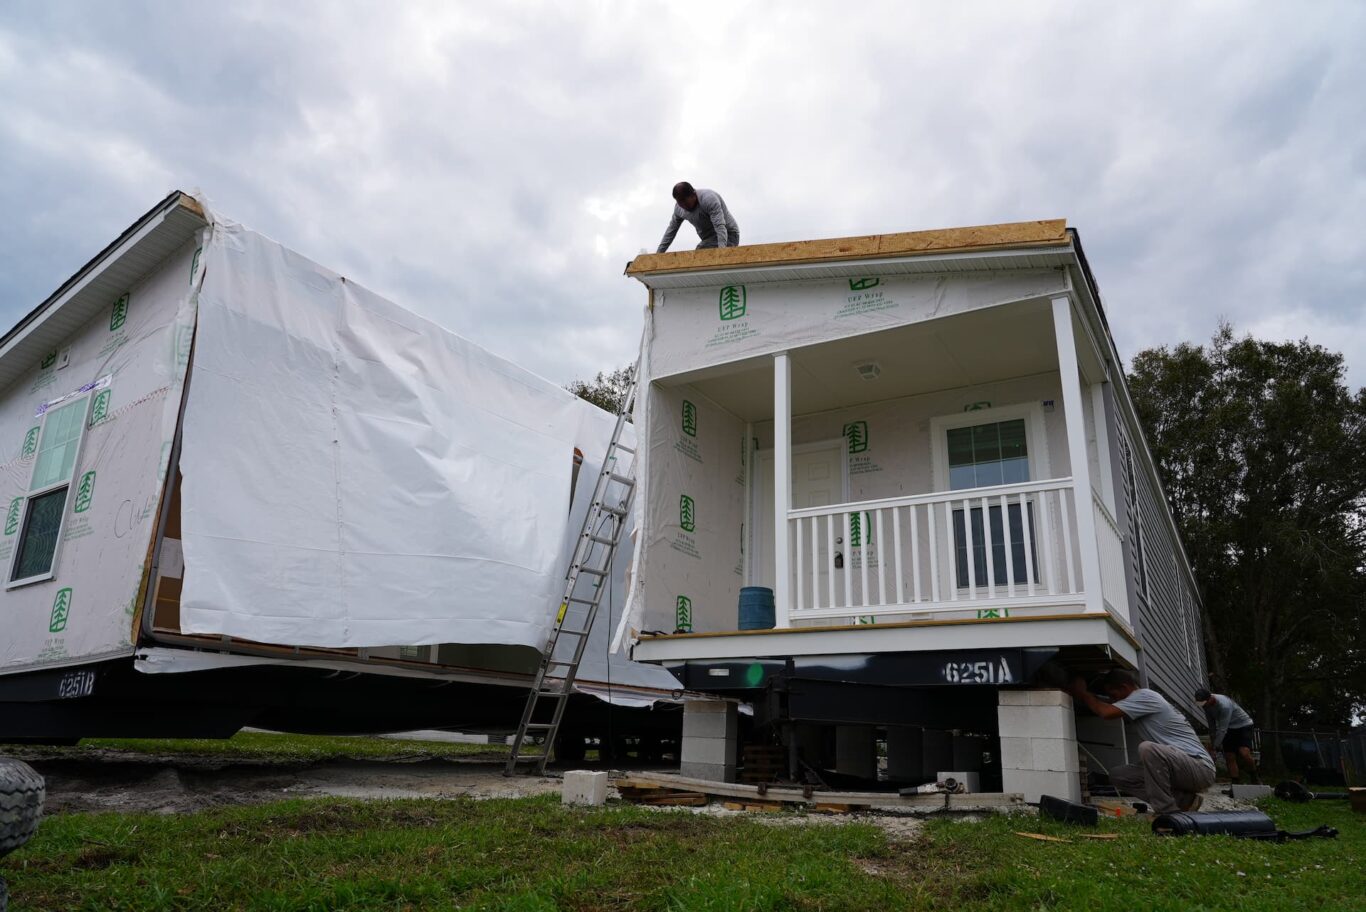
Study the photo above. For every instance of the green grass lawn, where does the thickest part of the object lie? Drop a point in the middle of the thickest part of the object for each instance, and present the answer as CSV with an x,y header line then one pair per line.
x,y
269,746
532,854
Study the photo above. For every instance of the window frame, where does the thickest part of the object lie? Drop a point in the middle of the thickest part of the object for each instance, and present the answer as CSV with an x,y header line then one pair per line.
x,y
1040,469
1031,412
31,494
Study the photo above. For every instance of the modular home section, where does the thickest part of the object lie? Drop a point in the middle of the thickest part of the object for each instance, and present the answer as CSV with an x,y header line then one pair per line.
x,y
926,435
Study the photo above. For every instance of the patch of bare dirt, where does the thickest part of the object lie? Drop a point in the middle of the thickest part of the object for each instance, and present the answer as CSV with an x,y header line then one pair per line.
x,y
171,785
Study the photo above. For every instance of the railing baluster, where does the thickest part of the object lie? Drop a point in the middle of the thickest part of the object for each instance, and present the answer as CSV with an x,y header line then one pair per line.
x,y
881,564
915,552
1066,539
848,561
800,567
934,556
1047,536
830,556
815,563
865,532
1028,544
972,549
952,581
1010,556
896,553
989,551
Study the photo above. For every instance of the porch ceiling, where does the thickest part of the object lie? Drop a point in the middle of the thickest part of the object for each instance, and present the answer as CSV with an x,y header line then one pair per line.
x,y
982,346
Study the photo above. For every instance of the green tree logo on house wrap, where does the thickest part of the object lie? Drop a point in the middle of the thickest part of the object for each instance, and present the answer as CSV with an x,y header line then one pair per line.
x,y
61,609
856,432
732,302
85,492
16,506
119,314
30,442
857,523
686,514
683,614
864,284
48,360
100,409
689,418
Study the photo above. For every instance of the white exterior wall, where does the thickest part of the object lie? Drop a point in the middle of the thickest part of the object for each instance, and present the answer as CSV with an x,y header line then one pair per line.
x,y
141,352
694,570
899,458
705,566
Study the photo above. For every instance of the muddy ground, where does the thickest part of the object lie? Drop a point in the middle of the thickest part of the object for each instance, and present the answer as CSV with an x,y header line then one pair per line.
x,y
119,781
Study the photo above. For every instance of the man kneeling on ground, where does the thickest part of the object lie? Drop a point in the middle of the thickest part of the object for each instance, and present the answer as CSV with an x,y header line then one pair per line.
x,y
1173,766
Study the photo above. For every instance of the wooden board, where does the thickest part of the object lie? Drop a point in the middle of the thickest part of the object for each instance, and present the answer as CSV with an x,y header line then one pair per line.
x,y
1043,233
749,794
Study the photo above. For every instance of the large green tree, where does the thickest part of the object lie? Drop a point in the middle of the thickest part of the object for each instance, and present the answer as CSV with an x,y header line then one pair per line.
x,y
1262,449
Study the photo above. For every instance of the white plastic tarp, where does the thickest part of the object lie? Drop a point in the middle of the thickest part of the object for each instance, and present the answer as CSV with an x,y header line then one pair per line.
x,y
354,475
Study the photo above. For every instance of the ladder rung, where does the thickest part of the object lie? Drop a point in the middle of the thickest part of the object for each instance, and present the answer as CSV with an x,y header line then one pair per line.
x,y
557,694
579,601
625,449
622,479
598,539
613,510
572,632
593,570
539,726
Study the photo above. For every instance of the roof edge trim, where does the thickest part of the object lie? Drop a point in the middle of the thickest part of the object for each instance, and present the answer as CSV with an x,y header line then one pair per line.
x,y
1046,232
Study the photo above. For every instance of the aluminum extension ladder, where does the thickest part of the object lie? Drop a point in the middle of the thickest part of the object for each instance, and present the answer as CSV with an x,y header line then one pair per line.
x,y
587,580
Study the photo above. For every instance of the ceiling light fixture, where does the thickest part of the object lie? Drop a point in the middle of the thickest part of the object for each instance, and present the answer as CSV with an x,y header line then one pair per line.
x,y
868,370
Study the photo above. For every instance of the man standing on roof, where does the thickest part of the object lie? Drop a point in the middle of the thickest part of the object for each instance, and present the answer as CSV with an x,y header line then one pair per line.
x,y
1173,766
1232,728
708,214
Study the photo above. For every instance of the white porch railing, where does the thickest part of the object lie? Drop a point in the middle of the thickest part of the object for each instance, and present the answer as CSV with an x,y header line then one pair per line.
x,y
1112,585
989,551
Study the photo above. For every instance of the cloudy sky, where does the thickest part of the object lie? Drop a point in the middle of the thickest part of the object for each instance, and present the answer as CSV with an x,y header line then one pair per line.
x,y
494,165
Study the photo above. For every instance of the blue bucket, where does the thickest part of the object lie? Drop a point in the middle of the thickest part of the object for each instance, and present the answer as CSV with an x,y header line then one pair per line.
x,y
756,608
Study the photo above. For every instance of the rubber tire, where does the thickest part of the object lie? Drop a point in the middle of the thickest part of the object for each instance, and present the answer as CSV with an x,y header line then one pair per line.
x,y
22,792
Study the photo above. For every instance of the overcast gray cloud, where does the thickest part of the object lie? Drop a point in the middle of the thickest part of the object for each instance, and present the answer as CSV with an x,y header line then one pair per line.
x,y
493,166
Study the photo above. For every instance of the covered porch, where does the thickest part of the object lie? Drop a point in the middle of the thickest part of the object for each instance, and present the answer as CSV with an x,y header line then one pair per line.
x,y
923,474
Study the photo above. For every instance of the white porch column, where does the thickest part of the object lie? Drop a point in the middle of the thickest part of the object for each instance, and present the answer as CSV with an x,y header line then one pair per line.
x,y
1077,453
782,486
1098,417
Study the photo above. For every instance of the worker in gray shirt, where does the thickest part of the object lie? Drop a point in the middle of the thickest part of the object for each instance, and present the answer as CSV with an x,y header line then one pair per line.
x,y
708,214
1232,728
1173,767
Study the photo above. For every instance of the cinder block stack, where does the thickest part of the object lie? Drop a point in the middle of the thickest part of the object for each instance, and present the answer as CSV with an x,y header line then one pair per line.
x,y
1038,744
711,734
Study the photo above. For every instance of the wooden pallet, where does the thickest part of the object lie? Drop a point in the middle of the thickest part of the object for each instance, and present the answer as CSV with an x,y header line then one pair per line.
x,y
659,796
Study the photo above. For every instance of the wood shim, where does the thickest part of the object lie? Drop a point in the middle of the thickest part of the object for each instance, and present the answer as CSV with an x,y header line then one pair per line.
x,y
1043,233
1042,838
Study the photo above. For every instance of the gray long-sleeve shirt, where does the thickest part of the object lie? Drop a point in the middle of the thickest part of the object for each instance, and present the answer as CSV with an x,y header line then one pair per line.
x,y
713,221
1222,716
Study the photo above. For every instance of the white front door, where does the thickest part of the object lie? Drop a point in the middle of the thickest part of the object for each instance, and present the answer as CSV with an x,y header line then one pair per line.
x,y
818,479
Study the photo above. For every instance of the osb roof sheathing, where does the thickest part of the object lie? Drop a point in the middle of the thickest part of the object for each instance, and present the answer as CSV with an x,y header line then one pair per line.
x,y
1043,233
